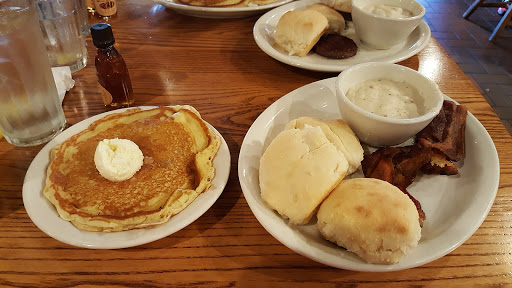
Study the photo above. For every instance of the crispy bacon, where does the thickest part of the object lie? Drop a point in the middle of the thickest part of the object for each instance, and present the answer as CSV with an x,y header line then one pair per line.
x,y
436,146
439,165
446,131
398,166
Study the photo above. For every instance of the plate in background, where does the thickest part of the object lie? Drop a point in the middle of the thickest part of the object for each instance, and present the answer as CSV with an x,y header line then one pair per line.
x,y
265,27
219,12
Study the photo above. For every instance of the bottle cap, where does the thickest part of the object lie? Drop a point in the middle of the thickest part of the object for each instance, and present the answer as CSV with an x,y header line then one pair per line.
x,y
102,36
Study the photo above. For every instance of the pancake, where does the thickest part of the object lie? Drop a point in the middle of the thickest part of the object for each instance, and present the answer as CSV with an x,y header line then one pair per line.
x,y
178,149
225,3
215,3
261,2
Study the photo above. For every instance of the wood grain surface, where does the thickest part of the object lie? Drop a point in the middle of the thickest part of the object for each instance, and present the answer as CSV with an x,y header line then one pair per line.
x,y
215,66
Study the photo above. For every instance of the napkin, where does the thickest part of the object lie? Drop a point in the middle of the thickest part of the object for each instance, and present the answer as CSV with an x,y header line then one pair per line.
x,y
63,80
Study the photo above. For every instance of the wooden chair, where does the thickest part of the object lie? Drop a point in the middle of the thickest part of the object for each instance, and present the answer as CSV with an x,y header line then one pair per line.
x,y
504,19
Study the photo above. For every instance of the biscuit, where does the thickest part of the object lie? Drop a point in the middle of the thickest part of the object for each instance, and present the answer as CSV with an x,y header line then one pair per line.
x,y
371,218
334,18
298,170
298,31
339,133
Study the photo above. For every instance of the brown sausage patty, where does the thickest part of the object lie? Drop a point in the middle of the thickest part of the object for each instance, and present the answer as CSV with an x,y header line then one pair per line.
x,y
335,46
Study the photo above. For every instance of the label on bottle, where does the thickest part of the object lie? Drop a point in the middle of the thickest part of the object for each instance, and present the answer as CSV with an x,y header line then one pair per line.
x,y
107,97
105,7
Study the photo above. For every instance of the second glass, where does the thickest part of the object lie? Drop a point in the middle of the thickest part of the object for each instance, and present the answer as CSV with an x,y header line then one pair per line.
x,y
61,27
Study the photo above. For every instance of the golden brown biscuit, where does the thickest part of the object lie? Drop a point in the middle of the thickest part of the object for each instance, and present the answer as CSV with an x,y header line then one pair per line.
x,y
298,31
371,218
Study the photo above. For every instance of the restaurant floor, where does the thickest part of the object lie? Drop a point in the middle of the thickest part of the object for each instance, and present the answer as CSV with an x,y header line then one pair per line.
x,y
489,65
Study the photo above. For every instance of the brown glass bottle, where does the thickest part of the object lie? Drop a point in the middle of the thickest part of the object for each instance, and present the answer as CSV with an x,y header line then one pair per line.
x,y
113,76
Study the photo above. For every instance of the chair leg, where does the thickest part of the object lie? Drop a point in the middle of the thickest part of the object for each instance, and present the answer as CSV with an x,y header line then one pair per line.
x,y
472,8
503,22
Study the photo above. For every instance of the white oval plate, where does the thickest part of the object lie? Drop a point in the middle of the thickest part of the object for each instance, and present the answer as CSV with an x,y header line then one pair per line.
x,y
44,215
219,12
455,206
265,27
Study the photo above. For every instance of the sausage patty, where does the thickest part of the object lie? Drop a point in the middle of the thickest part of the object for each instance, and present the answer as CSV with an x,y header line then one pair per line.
x,y
335,46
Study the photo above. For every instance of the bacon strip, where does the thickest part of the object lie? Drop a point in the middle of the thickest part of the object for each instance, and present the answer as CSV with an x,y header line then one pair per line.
x,y
398,166
446,131
437,145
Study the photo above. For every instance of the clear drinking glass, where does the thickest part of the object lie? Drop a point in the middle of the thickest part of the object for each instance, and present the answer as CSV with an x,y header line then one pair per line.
x,y
62,32
83,17
30,108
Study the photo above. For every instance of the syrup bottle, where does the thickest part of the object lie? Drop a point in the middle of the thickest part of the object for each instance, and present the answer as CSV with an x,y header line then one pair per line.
x,y
116,87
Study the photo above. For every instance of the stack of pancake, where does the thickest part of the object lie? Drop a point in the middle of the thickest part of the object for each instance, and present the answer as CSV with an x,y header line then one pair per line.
x,y
225,3
178,149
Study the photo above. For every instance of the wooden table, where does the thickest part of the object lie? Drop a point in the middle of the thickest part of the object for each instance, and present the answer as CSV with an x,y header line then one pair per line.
x,y
216,66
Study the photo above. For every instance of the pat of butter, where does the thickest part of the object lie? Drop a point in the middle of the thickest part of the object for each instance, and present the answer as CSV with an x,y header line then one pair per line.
x,y
118,159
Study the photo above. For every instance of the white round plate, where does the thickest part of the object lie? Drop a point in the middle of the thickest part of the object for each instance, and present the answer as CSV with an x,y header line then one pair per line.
x,y
455,206
219,12
44,215
265,27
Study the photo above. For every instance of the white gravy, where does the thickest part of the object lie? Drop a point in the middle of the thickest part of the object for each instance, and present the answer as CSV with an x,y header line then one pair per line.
x,y
388,11
386,98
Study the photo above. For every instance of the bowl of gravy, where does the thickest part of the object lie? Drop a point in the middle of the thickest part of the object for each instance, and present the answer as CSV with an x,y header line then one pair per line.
x,y
382,24
386,104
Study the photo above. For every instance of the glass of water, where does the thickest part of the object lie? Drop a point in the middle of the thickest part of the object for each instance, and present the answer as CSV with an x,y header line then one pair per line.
x,y
60,22
30,108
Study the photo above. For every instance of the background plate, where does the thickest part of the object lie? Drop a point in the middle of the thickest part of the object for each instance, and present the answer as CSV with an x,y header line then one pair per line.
x,y
44,215
455,206
264,36
219,12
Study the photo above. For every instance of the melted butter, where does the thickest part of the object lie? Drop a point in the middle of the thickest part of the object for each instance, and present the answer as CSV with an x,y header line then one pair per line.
x,y
386,98
388,11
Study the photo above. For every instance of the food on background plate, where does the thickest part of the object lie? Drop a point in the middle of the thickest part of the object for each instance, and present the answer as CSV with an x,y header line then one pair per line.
x,y
335,46
343,6
371,218
298,31
178,150
335,20
339,133
298,170
225,3
260,2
